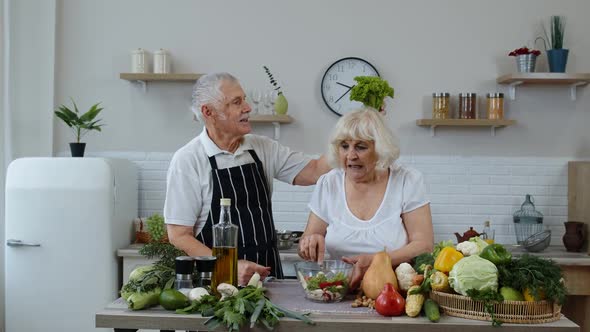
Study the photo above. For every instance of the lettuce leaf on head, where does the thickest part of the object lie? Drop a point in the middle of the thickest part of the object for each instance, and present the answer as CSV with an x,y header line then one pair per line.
x,y
371,90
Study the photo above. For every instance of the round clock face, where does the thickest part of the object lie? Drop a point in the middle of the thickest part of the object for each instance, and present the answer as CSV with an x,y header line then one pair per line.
x,y
339,80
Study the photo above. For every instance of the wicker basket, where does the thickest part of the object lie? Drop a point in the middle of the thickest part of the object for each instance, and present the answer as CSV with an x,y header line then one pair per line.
x,y
144,237
523,312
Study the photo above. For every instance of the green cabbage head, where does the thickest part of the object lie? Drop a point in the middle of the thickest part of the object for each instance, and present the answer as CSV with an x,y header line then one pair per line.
x,y
473,272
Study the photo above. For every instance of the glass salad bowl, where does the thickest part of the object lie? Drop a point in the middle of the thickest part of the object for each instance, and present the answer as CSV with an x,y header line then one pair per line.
x,y
327,283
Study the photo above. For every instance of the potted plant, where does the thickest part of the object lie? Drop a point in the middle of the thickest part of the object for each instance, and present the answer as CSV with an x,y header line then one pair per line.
x,y
557,55
280,103
371,91
80,124
525,59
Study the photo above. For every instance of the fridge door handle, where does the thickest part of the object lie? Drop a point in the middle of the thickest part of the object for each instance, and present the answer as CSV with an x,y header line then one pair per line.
x,y
19,243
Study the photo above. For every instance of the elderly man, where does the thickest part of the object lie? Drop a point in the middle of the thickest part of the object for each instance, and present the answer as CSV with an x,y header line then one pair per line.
x,y
225,161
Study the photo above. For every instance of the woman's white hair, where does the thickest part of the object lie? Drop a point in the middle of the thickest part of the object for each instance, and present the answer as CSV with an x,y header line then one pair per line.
x,y
367,125
207,91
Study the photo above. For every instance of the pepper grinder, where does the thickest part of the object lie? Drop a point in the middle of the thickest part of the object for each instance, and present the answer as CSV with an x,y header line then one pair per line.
x,y
205,268
184,266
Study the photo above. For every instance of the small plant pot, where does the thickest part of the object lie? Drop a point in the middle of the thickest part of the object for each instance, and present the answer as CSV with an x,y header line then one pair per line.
x,y
77,149
525,63
557,59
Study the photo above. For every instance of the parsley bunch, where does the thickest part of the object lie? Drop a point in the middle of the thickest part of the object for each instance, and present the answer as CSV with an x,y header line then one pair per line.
x,y
249,305
489,297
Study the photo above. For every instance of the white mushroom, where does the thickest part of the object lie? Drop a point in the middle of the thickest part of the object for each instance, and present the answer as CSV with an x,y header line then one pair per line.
x,y
226,290
196,294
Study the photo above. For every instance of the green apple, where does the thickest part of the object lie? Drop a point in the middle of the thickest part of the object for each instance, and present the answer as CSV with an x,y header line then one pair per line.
x,y
511,294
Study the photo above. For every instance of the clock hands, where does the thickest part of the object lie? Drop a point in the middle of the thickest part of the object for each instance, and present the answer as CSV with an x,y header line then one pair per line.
x,y
349,88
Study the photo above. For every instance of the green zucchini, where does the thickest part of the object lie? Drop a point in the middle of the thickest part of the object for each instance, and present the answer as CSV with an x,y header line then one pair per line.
x,y
431,310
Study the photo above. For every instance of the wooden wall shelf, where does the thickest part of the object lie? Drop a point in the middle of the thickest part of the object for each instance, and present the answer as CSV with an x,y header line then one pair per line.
x,y
572,80
260,118
148,77
143,78
493,124
276,121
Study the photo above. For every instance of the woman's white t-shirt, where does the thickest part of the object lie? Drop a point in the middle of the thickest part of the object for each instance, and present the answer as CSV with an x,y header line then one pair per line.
x,y
348,235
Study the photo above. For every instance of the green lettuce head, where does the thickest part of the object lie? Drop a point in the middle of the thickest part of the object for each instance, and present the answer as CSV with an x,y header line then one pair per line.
x,y
371,90
473,272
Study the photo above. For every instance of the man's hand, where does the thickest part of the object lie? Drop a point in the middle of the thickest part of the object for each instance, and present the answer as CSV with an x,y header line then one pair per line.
x,y
361,264
312,247
246,269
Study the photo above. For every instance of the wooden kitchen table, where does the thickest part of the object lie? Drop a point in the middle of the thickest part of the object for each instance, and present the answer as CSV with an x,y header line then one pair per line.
x,y
340,317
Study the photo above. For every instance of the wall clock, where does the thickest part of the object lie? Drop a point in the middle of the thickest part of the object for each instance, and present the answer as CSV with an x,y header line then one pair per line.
x,y
339,79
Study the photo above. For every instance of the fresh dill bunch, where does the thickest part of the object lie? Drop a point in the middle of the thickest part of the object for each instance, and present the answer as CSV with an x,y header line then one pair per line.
x,y
536,274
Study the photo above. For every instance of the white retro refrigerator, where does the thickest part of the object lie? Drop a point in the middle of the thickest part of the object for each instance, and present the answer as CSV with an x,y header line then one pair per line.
x,y
65,220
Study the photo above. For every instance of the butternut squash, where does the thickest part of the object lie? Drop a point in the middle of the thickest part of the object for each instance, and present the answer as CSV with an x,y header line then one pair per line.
x,y
378,274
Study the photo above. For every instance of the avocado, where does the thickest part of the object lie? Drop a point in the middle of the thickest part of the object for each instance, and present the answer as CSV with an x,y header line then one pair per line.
x,y
171,299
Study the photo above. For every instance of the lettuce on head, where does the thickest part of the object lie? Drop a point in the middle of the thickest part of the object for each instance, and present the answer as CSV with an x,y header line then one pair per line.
x,y
473,272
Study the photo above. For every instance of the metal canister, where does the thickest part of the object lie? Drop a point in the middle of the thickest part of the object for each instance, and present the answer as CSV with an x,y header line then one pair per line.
x,y
138,61
441,105
495,106
467,105
161,62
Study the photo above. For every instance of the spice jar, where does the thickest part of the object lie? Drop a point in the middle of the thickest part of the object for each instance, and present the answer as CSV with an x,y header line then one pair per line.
x,y
467,105
441,105
495,109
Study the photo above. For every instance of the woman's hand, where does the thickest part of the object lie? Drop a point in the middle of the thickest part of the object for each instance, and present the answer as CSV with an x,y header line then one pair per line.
x,y
312,247
246,269
361,264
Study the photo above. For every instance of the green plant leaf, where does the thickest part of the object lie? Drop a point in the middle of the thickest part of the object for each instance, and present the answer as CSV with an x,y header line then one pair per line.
x,y
64,117
81,125
91,114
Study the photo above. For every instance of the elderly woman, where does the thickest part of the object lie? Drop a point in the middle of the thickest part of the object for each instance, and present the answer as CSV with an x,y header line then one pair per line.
x,y
367,202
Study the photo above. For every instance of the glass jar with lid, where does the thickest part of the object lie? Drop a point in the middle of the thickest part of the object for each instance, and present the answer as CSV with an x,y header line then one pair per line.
x,y
527,221
441,105
495,106
467,105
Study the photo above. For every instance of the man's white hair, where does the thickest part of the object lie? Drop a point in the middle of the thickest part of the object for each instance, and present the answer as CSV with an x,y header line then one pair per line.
x,y
207,91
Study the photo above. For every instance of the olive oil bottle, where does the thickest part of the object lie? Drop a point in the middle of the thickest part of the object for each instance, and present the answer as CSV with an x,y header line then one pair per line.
x,y
225,248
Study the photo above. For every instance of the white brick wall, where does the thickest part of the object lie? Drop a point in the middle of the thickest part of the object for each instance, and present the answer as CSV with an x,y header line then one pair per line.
x,y
464,191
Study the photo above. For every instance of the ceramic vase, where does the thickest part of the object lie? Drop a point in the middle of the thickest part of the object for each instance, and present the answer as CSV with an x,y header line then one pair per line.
x,y
281,104
573,239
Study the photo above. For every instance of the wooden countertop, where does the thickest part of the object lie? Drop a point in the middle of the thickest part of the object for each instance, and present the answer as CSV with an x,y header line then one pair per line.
x,y
328,317
557,253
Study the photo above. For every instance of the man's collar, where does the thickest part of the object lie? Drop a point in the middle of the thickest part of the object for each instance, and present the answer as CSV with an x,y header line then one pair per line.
x,y
212,149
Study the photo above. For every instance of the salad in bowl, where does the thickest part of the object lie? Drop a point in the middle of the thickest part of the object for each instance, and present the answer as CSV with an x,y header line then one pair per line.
x,y
326,283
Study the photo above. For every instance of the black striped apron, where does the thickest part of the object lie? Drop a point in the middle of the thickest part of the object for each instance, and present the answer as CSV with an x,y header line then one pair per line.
x,y
251,211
